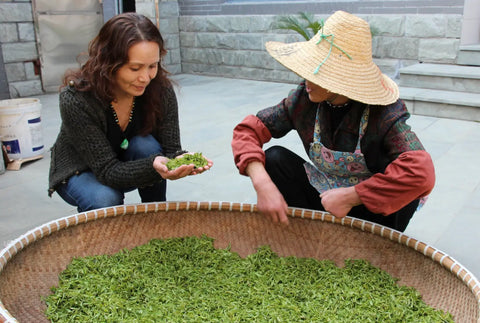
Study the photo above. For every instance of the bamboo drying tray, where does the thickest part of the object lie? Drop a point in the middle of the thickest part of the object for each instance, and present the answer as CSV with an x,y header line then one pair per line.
x,y
30,265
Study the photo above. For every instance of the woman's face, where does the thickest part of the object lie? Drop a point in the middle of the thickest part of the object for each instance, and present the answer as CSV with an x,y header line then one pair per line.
x,y
317,93
133,77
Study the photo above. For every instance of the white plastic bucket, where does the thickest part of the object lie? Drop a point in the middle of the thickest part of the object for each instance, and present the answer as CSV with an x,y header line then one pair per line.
x,y
21,128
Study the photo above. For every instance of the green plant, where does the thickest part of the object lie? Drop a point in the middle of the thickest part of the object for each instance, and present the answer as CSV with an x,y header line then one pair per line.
x,y
303,23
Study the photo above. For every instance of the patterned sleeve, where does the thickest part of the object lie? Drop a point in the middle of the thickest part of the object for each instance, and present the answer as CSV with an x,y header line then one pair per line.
x,y
253,132
410,175
278,119
399,137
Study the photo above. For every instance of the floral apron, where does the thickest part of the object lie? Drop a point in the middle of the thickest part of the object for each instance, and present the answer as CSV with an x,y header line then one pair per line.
x,y
335,169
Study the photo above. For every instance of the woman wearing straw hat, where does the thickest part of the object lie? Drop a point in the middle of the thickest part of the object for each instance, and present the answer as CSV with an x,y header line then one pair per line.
x,y
365,161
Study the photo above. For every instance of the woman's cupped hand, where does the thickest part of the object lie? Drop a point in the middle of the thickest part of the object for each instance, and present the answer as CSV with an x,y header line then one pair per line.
x,y
160,165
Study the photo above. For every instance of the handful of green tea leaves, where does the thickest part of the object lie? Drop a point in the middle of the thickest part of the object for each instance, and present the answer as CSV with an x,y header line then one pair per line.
x,y
197,159
188,280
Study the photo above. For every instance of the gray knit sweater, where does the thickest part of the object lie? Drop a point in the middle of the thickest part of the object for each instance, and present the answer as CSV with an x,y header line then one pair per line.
x,y
82,143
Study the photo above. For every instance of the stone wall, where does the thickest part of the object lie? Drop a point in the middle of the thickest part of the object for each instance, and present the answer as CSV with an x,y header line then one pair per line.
x,y
226,38
165,14
270,7
4,92
233,45
20,55
20,71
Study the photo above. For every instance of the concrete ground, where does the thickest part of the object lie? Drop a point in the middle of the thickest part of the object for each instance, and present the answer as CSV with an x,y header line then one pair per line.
x,y
209,108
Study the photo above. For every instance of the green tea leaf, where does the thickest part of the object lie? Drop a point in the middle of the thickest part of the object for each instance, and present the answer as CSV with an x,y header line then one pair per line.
x,y
188,280
196,159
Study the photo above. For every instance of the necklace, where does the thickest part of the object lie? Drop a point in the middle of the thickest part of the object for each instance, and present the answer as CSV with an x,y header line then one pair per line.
x,y
331,105
115,113
124,144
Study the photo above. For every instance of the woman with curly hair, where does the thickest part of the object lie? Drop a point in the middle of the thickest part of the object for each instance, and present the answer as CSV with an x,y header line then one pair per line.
x,y
119,120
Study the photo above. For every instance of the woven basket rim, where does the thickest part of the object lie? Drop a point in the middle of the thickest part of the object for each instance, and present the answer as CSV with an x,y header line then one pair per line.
x,y
17,245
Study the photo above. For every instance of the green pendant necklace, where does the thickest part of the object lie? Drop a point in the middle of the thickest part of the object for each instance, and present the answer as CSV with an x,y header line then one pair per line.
x,y
124,144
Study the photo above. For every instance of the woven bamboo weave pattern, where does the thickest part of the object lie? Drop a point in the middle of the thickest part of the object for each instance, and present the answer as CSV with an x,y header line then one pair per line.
x,y
30,265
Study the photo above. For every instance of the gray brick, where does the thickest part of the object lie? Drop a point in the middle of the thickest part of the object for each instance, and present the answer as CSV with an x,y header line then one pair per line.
x,y
15,12
168,9
261,23
201,56
192,24
187,39
169,26
218,24
15,72
389,66
283,38
443,10
189,55
174,56
166,60
225,41
146,9
215,40
387,25
259,60
250,41
171,41
425,26
387,11
396,47
174,68
19,52
438,50
26,32
26,88
249,73
8,33
30,71
454,26
189,67
282,76
234,58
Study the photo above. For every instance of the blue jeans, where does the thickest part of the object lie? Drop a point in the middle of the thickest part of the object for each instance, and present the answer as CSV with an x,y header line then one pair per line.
x,y
86,193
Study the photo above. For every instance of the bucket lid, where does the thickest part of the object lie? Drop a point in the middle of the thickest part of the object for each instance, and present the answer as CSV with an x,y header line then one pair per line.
x,y
15,106
15,103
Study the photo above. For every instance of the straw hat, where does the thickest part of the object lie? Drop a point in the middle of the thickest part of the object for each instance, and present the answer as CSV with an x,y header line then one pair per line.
x,y
339,59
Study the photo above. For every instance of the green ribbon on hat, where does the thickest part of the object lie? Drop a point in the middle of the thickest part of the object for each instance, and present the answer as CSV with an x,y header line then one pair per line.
x,y
332,44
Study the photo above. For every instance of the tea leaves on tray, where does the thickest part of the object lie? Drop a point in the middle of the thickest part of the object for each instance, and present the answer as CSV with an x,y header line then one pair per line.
x,y
188,280
196,158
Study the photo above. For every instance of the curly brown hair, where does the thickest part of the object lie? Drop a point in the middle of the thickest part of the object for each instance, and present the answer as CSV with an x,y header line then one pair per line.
x,y
108,51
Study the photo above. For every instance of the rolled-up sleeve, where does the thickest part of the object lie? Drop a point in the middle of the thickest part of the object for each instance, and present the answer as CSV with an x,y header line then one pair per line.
x,y
409,177
249,136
